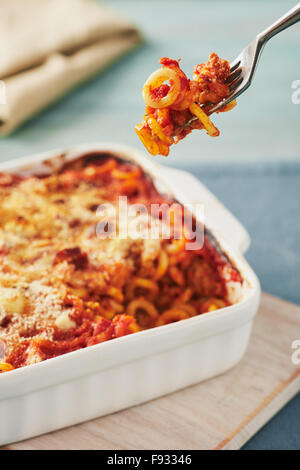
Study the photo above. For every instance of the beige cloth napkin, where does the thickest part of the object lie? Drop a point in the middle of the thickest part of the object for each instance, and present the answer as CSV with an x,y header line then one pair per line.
x,y
48,47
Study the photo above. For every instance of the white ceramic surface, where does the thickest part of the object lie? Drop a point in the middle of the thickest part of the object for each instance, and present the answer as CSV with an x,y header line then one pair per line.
x,y
130,370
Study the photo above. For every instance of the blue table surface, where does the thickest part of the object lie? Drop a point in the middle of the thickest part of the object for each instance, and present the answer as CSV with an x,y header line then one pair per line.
x,y
266,199
253,167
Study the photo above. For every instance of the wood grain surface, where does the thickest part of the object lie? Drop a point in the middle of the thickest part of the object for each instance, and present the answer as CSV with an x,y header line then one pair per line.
x,y
222,413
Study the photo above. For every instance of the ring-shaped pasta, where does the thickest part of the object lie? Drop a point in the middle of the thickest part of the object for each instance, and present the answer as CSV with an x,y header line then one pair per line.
x,y
186,295
147,139
203,117
143,283
110,308
5,367
177,275
130,187
163,263
155,80
126,175
94,171
176,245
145,306
115,293
159,132
188,308
228,107
213,304
176,258
172,315
116,306
124,325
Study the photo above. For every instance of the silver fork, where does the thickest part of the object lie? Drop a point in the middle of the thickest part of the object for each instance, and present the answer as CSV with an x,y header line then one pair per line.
x,y
243,67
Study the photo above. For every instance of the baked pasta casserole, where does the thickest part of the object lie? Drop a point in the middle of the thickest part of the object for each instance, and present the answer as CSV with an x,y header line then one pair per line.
x,y
176,105
64,286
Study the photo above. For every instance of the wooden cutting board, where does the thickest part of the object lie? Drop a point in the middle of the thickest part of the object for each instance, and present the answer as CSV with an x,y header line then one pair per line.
x,y
222,413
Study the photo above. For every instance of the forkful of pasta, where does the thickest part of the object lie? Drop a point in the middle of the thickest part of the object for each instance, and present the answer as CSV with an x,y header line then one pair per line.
x,y
176,105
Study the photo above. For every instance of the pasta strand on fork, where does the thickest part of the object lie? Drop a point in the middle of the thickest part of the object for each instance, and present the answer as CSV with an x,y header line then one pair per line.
x,y
172,101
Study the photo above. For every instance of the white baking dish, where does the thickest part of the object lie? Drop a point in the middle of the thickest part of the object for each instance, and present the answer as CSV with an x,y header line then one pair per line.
x,y
111,376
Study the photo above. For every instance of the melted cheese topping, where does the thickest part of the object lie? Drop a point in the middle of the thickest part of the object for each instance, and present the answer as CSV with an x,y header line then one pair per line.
x,y
38,219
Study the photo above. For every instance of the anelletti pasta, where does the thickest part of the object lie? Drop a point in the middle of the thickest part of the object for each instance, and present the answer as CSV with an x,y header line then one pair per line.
x,y
172,100
64,287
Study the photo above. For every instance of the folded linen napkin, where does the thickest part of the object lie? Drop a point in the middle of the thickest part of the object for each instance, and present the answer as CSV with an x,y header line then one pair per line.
x,y
47,47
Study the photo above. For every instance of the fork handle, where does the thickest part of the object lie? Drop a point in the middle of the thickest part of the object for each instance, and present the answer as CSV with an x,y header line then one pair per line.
x,y
285,21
